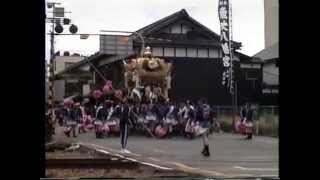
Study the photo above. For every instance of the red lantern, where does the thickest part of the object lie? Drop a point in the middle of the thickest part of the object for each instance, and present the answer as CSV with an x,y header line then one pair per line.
x,y
118,94
107,88
97,94
160,131
109,83
105,128
68,102
67,131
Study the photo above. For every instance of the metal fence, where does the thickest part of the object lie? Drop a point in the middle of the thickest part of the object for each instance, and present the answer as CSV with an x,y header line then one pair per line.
x,y
266,119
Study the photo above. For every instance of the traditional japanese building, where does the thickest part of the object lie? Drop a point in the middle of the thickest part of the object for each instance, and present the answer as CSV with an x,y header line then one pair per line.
x,y
269,56
196,55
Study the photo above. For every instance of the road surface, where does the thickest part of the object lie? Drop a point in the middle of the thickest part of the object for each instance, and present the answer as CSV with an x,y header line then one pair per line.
x,y
231,155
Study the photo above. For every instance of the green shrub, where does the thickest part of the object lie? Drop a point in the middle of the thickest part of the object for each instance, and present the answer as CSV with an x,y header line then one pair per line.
x,y
226,123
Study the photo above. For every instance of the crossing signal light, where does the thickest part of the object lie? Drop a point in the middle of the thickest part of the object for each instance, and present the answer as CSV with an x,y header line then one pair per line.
x,y
73,29
58,28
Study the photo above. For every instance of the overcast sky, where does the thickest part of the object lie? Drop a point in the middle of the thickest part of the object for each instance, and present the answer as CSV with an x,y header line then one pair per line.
x,y
91,16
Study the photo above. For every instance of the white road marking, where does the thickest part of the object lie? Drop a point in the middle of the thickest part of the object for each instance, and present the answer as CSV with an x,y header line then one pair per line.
x,y
158,150
131,153
101,147
183,166
103,151
237,175
154,159
255,169
271,175
131,159
119,155
153,165
267,141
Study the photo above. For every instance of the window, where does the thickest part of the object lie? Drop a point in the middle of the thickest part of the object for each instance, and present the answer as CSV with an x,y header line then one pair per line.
x,y
213,53
169,52
54,66
185,29
157,51
251,75
180,52
176,29
245,65
68,64
266,91
203,53
257,66
192,52
72,88
251,66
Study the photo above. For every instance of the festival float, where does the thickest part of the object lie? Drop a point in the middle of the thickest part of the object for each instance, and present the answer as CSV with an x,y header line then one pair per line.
x,y
147,77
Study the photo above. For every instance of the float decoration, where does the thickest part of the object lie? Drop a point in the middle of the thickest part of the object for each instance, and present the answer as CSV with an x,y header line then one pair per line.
x,y
148,70
107,88
97,94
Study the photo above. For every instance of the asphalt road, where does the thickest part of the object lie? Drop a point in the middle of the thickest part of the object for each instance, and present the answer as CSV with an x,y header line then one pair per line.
x,y
230,154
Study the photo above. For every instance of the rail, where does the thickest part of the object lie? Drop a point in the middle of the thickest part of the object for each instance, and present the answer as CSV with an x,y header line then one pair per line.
x,y
90,163
166,178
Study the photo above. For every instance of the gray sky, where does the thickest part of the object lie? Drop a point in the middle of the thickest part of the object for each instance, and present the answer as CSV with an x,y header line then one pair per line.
x,y
91,16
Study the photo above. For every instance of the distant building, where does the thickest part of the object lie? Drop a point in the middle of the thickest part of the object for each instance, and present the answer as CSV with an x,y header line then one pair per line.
x,y
64,87
270,55
196,54
63,62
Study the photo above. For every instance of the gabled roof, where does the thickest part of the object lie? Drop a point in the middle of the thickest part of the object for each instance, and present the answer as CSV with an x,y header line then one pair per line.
x,y
92,59
163,22
247,59
180,15
269,53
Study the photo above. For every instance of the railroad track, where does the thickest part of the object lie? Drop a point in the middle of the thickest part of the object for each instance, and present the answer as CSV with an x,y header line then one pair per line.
x,y
102,163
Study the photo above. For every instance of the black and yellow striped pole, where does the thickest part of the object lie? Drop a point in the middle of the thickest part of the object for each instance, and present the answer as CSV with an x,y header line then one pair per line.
x,y
50,89
50,119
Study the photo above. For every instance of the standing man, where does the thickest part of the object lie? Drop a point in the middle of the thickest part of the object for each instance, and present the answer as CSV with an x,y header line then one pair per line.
x,y
76,116
203,116
59,115
124,120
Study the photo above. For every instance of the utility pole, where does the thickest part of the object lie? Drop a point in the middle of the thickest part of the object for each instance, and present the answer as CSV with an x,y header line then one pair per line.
x,y
50,128
58,14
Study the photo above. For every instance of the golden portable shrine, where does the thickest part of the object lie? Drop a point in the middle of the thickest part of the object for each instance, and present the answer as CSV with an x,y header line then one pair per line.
x,y
152,74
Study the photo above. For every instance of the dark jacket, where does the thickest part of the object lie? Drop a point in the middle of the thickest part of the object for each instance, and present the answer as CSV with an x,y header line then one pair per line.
x,y
67,114
102,114
125,113
201,109
250,115
243,113
192,113
161,111
76,114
